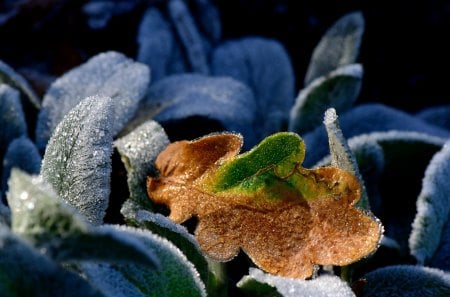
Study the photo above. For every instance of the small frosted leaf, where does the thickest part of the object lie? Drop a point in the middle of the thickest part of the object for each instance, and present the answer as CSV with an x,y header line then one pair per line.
x,y
77,160
436,115
158,46
22,154
339,46
264,66
369,118
407,281
108,74
14,79
239,199
25,272
100,12
180,97
176,276
338,89
12,118
52,226
322,286
433,208
138,151
177,234
189,36
341,154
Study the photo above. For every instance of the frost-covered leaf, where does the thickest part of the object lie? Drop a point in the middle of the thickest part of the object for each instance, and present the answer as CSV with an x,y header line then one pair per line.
x,y
100,12
138,151
341,154
158,47
77,160
22,154
239,199
407,281
189,35
368,118
15,80
178,235
209,19
109,74
258,283
178,98
12,118
338,89
339,46
436,115
25,272
176,277
433,209
264,66
52,226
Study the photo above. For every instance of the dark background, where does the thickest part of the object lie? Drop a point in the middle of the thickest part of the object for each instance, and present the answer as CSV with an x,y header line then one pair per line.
x,y
404,50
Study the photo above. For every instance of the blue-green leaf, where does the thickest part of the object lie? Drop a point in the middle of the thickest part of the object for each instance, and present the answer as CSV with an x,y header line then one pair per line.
x,y
436,115
158,47
176,277
55,228
406,281
25,272
138,151
264,66
339,46
22,154
258,283
338,89
433,209
108,74
77,160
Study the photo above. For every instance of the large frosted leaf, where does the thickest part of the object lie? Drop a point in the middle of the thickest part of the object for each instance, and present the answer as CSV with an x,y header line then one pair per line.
x,y
108,74
158,47
436,115
264,66
208,19
52,226
25,272
138,151
14,79
406,281
339,89
365,119
433,209
258,283
77,159
339,46
179,98
176,277
12,118
22,154
189,36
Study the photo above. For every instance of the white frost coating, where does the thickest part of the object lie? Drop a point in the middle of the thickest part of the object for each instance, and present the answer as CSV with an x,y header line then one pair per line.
x,y
322,286
338,89
176,277
139,150
108,74
189,35
77,160
433,207
339,46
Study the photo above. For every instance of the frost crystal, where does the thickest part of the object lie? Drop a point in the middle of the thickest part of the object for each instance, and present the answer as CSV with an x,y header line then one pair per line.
x,y
77,159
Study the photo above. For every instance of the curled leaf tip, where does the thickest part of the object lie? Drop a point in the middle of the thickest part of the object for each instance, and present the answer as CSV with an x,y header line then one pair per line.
x,y
285,217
